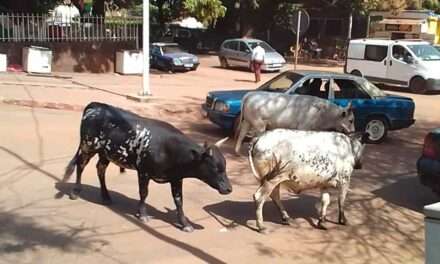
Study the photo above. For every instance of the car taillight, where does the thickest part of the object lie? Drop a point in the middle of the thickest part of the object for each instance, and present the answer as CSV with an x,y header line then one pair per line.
x,y
429,148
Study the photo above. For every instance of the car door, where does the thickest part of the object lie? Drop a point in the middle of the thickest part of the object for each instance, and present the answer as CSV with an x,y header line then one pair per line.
x,y
375,63
231,52
155,56
314,86
401,67
243,54
345,90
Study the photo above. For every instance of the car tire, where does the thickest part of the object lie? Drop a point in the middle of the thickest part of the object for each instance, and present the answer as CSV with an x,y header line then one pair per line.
x,y
224,63
418,85
170,68
377,128
356,73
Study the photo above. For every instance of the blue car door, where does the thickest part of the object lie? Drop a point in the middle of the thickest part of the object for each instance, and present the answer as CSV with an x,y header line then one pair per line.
x,y
345,91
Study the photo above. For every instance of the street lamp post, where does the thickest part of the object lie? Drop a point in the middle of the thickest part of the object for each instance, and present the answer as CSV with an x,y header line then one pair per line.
x,y
146,49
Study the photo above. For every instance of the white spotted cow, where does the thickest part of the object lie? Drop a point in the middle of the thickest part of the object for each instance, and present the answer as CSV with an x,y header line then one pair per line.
x,y
302,160
155,149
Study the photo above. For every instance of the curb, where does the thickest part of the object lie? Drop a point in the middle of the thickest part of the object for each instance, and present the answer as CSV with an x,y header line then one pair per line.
x,y
47,105
68,86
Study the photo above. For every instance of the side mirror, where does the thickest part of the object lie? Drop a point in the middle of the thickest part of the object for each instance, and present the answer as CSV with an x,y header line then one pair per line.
x,y
409,59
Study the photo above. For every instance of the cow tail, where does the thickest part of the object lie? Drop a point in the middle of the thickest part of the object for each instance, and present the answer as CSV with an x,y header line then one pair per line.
x,y
251,162
237,130
70,167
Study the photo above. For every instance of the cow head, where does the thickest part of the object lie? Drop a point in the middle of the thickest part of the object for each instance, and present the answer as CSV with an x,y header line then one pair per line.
x,y
210,167
358,141
346,120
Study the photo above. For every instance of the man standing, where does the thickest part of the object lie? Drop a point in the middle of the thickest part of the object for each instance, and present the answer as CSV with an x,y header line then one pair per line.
x,y
257,60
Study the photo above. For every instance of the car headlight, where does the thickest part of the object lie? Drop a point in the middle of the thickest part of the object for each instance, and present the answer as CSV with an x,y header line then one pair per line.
x,y
177,61
195,60
221,107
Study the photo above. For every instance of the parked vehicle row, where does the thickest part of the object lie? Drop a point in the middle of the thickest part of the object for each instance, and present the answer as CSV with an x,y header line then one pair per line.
x,y
234,52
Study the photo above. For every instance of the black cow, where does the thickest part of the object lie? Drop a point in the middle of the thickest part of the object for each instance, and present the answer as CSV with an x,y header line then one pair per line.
x,y
155,149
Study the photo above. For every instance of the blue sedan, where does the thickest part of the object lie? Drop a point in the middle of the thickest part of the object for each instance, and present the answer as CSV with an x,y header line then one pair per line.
x,y
375,111
171,57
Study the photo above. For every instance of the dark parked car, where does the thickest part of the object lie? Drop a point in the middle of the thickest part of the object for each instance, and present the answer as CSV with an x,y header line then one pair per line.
x,y
171,57
428,165
375,111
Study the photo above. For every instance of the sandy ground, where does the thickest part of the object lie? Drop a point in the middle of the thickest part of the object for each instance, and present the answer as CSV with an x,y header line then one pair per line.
x,y
39,224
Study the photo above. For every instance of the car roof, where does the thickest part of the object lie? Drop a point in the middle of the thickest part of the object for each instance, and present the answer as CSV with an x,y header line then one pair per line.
x,y
324,74
389,41
162,44
245,40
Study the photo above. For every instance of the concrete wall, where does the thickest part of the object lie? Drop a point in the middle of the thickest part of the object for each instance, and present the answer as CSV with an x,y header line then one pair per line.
x,y
95,57
432,233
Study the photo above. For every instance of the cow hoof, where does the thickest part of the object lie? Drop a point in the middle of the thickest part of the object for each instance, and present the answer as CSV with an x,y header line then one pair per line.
x,y
74,195
342,222
287,221
320,225
188,229
263,230
143,218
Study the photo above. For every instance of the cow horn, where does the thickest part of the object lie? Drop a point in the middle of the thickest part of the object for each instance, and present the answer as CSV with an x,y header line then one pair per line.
x,y
221,141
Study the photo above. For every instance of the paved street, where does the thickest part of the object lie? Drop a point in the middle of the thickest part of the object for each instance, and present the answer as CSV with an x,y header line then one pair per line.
x,y
39,120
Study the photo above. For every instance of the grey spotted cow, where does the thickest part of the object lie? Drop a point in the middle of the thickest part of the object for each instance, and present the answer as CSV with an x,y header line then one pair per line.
x,y
261,111
155,149
302,160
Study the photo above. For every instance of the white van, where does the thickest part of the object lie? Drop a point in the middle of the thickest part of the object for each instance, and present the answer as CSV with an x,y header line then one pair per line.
x,y
405,63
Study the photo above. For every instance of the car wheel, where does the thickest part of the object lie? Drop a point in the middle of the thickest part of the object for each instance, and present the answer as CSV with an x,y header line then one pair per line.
x,y
356,73
418,85
377,129
170,68
224,62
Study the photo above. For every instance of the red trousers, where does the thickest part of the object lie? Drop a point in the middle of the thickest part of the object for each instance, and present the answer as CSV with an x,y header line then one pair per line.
x,y
256,65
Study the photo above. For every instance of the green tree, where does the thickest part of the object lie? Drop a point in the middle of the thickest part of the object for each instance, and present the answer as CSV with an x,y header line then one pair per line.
x,y
206,11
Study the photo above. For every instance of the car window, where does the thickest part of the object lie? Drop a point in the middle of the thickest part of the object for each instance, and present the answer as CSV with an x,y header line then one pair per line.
x,y
400,53
425,52
243,47
263,44
171,49
281,83
232,45
376,52
315,87
348,89
156,50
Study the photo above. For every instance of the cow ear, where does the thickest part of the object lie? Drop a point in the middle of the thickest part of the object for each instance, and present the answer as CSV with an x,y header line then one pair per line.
x,y
196,154
349,107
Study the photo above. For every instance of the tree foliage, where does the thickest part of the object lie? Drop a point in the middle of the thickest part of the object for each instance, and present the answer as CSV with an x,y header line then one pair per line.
x,y
206,11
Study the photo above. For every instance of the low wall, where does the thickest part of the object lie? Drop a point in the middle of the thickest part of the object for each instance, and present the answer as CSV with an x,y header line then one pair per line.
x,y
95,57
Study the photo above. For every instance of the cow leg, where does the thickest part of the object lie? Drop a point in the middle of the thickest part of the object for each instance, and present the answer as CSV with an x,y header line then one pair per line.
x,y
275,195
341,200
143,180
244,129
176,189
81,162
260,198
101,166
325,201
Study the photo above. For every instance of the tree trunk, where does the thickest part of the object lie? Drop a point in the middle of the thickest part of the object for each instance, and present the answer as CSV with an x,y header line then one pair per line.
x,y
350,25
98,8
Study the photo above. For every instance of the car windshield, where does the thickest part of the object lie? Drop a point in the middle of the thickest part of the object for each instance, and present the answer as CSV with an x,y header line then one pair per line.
x,y
425,52
372,89
263,44
281,83
171,49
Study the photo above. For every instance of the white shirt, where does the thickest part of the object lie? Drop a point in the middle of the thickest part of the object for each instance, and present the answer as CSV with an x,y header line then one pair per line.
x,y
258,53
64,14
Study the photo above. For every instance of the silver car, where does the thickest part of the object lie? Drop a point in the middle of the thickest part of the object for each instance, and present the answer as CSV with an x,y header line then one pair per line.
x,y
237,52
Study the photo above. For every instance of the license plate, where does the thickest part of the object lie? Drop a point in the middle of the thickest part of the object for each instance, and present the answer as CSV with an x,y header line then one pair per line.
x,y
276,65
188,65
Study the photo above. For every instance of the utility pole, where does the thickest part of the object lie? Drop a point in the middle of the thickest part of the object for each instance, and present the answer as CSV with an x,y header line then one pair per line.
x,y
146,49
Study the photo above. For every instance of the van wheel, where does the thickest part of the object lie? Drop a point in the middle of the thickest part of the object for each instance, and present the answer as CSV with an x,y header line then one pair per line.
x,y
356,73
418,85
377,128
224,62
